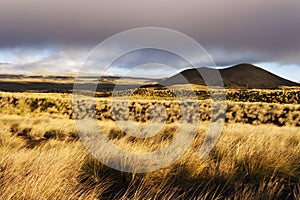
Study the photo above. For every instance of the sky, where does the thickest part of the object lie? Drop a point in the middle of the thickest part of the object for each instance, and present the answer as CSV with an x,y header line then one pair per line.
x,y
57,36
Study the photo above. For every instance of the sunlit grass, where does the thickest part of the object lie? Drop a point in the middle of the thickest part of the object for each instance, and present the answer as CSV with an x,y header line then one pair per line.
x,y
41,156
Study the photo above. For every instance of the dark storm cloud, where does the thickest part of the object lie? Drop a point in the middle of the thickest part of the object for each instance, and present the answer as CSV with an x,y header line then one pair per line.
x,y
231,30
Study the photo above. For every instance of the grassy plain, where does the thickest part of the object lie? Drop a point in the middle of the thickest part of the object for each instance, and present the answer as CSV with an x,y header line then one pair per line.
x,y
256,157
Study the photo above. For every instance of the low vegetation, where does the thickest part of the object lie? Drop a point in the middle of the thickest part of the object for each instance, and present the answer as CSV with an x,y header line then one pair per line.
x,y
281,96
256,157
60,105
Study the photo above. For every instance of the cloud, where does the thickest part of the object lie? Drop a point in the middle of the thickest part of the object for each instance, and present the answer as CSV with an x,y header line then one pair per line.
x,y
227,23
57,35
52,59
289,71
8,68
5,64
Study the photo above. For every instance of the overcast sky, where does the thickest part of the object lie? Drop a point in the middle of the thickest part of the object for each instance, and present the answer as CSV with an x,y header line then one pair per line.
x,y
55,36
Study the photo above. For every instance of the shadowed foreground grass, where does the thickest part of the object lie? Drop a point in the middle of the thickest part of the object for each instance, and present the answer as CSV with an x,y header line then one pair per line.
x,y
248,162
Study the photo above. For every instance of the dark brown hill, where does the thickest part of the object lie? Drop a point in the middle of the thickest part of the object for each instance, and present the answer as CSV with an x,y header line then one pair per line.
x,y
238,76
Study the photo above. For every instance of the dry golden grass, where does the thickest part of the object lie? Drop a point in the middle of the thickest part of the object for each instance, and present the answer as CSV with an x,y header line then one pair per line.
x,y
42,158
249,162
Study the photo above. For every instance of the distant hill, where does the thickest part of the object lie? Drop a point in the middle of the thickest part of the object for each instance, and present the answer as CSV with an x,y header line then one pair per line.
x,y
65,83
239,76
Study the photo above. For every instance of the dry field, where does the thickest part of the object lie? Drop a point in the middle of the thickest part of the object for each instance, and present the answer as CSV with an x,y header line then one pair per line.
x,y
256,157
